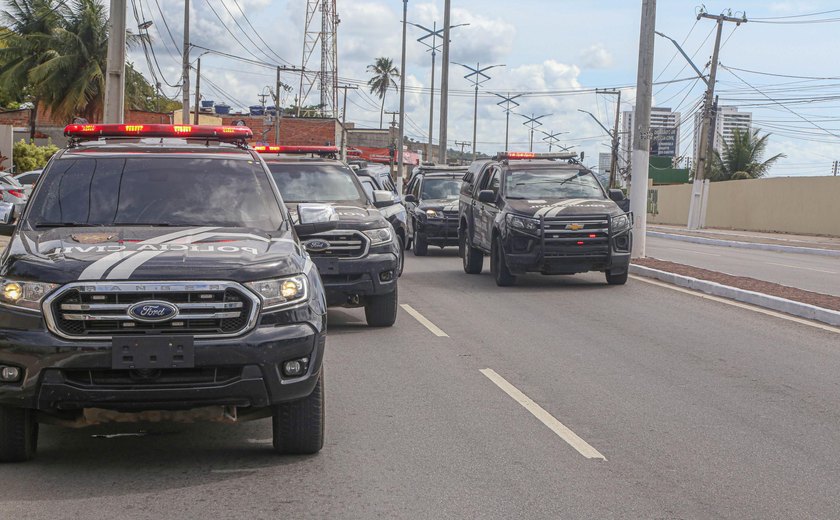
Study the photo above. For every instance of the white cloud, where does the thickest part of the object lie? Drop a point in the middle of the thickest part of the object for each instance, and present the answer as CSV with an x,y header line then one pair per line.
x,y
596,57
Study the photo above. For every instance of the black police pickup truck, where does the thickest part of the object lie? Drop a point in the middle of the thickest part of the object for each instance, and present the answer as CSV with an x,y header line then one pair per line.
x,y
541,213
360,261
155,275
432,203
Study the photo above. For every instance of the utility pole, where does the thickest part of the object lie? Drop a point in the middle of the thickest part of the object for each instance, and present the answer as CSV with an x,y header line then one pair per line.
x,y
479,79
533,122
552,138
462,144
641,135
616,138
185,75
278,111
114,110
444,83
344,121
706,144
835,167
507,101
401,138
197,90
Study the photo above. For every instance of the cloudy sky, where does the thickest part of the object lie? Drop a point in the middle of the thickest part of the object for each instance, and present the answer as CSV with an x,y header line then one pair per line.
x,y
555,52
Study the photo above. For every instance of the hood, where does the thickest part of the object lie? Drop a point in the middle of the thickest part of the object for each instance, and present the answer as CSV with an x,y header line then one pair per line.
x,y
439,204
351,217
563,207
63,255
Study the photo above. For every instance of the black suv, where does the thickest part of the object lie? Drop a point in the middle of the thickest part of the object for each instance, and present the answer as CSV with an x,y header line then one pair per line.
x,y
541,213
360,261
432,203
157,279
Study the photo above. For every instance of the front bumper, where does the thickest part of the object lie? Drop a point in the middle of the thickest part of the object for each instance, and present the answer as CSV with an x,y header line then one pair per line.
x,y
348,281
439,231
526,254
62,377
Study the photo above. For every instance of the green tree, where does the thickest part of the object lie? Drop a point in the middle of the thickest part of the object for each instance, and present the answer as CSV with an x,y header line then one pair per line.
x,y
141,95
742,157
384,72
29,28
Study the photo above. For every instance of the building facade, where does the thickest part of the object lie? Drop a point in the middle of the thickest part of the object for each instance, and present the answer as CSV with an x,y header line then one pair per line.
x,y
665,133
727,121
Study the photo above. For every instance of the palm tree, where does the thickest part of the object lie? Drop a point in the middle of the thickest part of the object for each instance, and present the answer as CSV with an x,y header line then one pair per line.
x,y
30,25
741,158
72,75
384,72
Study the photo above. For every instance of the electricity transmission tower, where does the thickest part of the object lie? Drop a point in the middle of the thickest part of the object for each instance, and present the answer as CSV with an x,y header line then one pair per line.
x,y
323,33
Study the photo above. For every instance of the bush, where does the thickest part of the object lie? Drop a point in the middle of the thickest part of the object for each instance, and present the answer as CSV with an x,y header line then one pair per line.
x,y
31,156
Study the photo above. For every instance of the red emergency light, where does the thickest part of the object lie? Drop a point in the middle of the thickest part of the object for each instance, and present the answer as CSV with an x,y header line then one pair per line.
x,y
524,156
221,133
318,150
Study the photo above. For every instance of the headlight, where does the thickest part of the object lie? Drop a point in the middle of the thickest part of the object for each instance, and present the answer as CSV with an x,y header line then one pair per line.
x,y
619,224
280,292
523,223
430,213
379,236
27,295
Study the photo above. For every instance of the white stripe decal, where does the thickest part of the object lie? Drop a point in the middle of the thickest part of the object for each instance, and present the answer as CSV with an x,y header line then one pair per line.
x,y
96,270
557,210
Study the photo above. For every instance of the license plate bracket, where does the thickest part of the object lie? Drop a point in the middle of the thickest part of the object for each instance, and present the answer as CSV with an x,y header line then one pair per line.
x,y
327,265
149,352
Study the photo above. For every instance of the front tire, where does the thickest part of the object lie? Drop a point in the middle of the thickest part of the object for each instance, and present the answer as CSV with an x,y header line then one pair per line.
x,y
298,426
18,434
420,245
472,258
381,310
401,243
498,266
617,278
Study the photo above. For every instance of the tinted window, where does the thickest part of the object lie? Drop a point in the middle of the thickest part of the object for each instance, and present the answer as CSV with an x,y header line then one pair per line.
x,y
368,186
317,183
552,184
27,178
441,188
180,191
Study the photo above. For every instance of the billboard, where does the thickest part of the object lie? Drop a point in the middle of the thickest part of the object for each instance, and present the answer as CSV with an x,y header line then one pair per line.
x,y
663,142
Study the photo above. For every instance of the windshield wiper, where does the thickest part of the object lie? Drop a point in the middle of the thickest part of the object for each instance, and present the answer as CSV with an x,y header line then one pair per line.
x,y
65,224
144,224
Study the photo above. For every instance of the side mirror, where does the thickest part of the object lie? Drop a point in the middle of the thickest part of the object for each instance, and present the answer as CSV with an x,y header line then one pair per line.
x,y
410,198
487,196
383,199
316,218
616,195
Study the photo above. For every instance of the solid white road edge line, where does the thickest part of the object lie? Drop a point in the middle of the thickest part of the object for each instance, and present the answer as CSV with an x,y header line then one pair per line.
x,y
546,418
434,329
734,303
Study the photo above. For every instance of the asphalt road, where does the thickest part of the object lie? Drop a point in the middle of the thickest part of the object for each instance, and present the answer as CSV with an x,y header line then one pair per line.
x,y
810,272
700,410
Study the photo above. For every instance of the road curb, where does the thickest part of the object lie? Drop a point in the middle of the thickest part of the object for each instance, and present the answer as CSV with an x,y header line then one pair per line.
x,y
746,245
802,310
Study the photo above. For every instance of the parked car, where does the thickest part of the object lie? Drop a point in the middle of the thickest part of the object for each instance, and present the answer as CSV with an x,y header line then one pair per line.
x,y
28,178
11,190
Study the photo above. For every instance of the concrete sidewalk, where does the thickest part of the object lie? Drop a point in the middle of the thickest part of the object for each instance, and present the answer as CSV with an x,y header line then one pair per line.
x,y
780,239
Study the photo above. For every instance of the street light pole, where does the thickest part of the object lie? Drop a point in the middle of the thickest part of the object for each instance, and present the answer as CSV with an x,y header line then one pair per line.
x,y
479,78
532,122
444,83
507,101
401,166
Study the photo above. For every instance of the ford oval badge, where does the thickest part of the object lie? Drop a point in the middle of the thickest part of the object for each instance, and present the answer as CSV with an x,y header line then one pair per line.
x,y
153,311
316,245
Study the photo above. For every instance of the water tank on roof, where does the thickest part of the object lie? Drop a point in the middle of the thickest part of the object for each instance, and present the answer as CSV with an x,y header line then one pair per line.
x,y
256,110
222,109
207,103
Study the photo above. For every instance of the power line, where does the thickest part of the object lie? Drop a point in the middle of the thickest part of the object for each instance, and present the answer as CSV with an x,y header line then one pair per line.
x,y
229,30
257,33
796,15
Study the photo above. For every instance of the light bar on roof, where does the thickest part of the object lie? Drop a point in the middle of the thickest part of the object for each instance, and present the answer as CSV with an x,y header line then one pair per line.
x,y
524,156
221,133
319,150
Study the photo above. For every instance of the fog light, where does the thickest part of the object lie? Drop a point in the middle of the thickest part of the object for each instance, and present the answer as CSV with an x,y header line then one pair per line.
x,y
295,367
9,374
386,276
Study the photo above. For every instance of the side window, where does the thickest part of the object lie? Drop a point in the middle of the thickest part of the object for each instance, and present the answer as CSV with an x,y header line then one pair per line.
x,y
415,190
483,180
368,186
494,181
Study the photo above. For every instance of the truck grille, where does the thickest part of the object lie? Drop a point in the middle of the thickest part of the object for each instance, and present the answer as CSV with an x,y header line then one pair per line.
x,y
579,236
342,244
100,309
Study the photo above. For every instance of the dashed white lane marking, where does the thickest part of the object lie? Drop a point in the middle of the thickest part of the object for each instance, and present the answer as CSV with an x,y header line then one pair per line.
x,y
805,268
734,303
546,418
434,329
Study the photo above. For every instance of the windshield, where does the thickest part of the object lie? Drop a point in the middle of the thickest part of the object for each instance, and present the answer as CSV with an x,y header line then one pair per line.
x,y
552,184
440,188
317,183
5,178
171,191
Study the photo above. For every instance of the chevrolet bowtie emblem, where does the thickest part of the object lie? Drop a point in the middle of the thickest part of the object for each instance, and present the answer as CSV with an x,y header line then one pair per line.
x,y
574,227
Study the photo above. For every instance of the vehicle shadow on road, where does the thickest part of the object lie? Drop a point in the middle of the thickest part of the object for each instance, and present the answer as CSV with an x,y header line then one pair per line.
x,y
119,460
